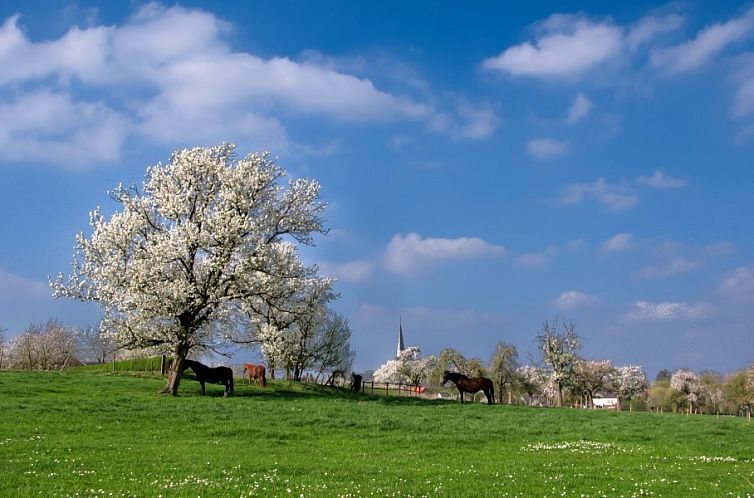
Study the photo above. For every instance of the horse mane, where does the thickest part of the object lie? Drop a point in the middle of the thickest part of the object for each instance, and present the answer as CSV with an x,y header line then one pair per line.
x,y
456,374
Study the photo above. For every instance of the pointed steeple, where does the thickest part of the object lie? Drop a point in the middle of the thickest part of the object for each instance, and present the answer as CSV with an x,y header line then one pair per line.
x,y
401,347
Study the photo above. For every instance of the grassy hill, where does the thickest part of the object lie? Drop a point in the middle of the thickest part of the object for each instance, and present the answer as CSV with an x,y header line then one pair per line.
x,y
97,434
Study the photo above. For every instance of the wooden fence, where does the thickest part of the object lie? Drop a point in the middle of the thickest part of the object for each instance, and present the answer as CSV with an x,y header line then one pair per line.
x,y
385,388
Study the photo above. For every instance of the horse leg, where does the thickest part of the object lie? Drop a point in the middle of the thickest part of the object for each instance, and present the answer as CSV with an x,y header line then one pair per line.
x,y
461,393
202,384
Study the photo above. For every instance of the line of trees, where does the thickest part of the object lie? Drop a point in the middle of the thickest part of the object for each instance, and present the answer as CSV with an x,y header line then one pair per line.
x,y
562,377
52,345
321,346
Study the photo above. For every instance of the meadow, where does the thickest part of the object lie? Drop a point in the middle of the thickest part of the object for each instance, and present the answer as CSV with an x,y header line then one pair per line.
x,y
109,434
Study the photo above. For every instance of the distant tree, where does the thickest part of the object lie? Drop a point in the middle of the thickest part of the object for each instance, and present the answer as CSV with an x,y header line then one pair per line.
x,y
503,365
590,376
686,383
95,345
207,238
711,391
660,397
630,380
332,349
663,375
3,348
739,391
559,352
416,368
44,346
408,368
531,379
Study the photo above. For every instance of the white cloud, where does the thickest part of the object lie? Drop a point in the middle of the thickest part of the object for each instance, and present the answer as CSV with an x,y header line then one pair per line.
x,y
469,122
537,258
613,197
49,127
659,181
652,26
667,311
546,148
743,103
580,108
408,254
718,248
744,100
708,43
677,265
350,271
568,46
399,142
739,283
572,299
618,243
168,74
14,286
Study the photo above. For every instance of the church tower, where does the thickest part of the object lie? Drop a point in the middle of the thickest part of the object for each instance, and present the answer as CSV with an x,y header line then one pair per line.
x,y
401,347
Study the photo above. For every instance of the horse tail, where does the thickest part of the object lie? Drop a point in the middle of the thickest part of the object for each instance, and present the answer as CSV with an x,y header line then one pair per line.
x,y
492,393
231,380
263,380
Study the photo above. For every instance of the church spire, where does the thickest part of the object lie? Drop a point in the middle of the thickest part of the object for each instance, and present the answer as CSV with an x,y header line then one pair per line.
x,y
401,347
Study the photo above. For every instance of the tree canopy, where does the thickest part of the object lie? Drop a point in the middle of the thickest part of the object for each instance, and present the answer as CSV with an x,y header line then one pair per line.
x,y
192,257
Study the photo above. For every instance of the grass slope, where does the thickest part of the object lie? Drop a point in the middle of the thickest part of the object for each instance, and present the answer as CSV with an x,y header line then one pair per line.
x,y
83,434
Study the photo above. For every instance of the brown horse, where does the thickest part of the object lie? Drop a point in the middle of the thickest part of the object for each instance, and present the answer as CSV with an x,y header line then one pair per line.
x,y
256,372
468,385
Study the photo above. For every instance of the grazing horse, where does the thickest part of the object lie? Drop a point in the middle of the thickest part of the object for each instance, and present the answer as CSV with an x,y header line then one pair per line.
x,y
256,372
468,385
356,382
216,375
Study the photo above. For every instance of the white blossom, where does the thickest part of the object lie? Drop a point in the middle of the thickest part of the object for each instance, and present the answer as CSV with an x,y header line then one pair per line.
x,y
205,240
630,380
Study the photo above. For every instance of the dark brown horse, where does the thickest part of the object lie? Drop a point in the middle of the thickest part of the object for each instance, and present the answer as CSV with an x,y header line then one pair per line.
x,y
469,385
256,372
216,375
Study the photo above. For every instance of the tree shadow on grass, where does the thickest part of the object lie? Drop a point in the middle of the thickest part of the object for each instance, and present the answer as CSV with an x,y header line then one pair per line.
x,y
279,390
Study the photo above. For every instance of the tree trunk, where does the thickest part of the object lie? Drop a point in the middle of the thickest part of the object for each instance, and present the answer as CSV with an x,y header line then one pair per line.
x,y
559,397
297,373
176,370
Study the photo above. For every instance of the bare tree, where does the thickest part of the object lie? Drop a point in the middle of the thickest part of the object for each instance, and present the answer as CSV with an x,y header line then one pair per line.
x,y
503,367
334,351
44,346
559,353
94,345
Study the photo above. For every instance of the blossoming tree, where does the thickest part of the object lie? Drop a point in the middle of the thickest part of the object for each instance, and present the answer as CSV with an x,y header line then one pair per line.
x,y
591,376
409,367
559,352
207,238
686,383
630,381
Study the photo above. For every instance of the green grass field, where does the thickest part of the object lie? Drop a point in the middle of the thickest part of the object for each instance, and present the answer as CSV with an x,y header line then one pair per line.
x,y
85,434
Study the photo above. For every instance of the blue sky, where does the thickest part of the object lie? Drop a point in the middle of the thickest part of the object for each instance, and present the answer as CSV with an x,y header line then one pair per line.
x,y
487,168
